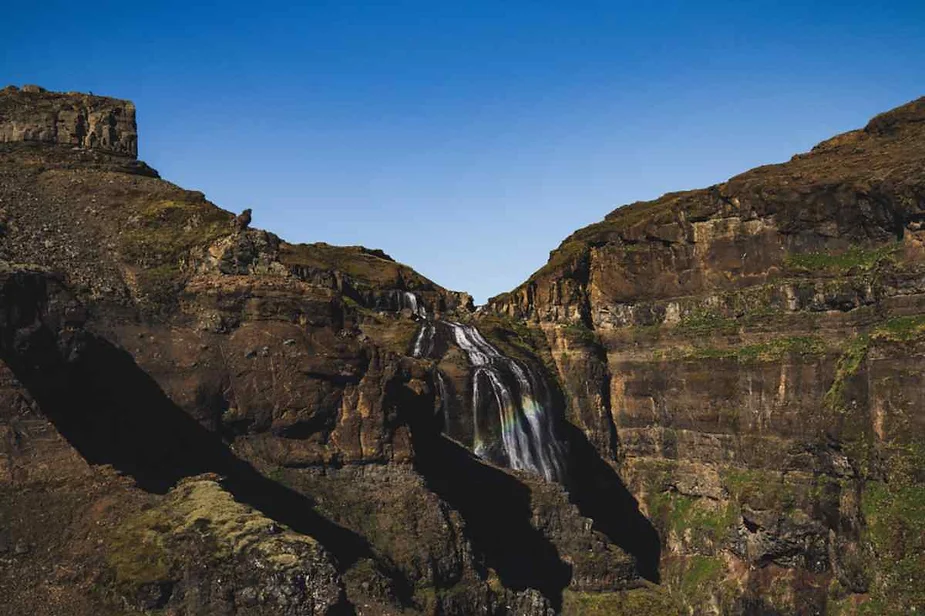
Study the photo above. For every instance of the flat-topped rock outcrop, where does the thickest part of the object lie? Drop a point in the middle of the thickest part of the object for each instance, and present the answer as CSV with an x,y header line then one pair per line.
x,y
32,114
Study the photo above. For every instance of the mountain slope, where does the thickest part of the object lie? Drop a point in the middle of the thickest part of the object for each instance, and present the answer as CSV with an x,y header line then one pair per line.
x,y
199,417
750,355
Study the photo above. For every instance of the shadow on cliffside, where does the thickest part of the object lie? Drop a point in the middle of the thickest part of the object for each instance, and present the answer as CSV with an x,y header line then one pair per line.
x,y
496,509
113,412
599,493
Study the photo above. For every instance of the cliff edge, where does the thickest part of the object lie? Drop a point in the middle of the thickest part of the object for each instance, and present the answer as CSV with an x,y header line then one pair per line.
x,y
33,114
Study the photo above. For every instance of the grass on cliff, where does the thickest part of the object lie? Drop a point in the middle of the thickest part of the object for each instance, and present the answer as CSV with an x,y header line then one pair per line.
x,y
148,547
896,330
901,329
689,584
702,521
580,332
759,489
646,601
138,553
858,259
162,233
367,268
771,350
160,238
894,511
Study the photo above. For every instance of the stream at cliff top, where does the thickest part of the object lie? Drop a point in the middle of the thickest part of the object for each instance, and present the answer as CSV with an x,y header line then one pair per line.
x,y
399,300
502,385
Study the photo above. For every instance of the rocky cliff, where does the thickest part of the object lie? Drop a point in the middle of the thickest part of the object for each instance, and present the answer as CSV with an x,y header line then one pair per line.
x,y
83,121
749,357
199,417
705,404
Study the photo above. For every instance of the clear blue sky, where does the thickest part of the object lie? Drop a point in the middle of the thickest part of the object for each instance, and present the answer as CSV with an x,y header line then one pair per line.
x,y
467,139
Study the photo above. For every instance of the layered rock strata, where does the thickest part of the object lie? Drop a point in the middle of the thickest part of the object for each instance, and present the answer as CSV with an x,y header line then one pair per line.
x,y
749,357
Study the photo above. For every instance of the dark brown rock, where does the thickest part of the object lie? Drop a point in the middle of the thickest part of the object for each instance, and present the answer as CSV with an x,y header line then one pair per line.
x,y
33,114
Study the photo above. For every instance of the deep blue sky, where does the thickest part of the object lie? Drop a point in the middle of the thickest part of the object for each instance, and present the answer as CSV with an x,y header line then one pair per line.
x,y
467,139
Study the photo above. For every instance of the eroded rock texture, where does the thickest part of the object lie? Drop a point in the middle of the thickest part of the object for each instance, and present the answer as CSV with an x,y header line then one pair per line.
x,y
33,114
199,417
749,357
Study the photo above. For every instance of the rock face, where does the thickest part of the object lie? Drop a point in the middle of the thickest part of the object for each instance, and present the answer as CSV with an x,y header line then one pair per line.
x,y
749,356
85,121
199,417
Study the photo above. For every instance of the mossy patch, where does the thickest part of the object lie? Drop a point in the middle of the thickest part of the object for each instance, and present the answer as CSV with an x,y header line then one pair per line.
x,y
697,522
849,364
894,511
900,329
648,601
163,233
704,321
770,350
581,333
150,546
157,243
696,581
858,259
138,552
760,489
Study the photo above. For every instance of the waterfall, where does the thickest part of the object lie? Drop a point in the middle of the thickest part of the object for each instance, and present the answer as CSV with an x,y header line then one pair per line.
x,y
527,433
444,395
424,341
410,300
399,300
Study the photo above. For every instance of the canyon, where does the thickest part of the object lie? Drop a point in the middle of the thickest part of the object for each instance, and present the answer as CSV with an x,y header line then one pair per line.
x,y
710,403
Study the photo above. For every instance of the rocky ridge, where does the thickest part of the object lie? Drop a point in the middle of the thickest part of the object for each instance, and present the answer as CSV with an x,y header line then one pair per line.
x,y
32,114
199,417
749,357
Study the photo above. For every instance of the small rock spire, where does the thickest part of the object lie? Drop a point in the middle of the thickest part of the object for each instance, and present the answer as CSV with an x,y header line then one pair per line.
x,y
243,220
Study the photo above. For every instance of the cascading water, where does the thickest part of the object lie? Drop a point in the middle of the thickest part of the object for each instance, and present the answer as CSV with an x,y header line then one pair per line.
x,y
444,395
527,432
424,341
399,300
528,439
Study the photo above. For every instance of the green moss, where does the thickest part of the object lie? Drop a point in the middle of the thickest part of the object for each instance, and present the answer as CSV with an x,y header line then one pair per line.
x,y
848,365
580,332
165,231
701,574
706,321
697,581
771,350
776,349
760,489
137,551
705,522
863,259
647,601
901,329
894,511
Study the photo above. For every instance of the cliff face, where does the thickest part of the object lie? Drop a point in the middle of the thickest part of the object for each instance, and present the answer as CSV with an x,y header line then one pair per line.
x,y
723,385
749,357
83,121
200,417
